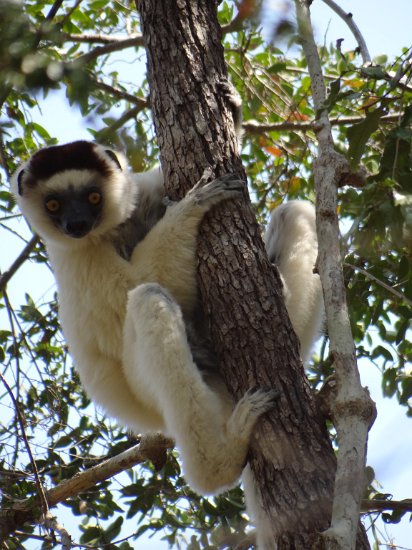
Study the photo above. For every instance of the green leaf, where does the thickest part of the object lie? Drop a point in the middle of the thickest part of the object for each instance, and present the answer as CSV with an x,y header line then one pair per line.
x,y
406,389
113,529
90,535
359,134
374,72
334,89
64,441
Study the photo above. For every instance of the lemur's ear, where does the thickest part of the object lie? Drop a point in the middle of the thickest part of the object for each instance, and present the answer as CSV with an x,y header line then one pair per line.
x,y
113,156
20,181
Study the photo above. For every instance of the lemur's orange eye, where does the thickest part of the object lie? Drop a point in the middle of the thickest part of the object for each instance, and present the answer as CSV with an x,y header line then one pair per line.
x,y
94,197
53,205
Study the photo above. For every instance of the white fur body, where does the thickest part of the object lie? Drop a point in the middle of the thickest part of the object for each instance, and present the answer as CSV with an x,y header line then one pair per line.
x,y
123,319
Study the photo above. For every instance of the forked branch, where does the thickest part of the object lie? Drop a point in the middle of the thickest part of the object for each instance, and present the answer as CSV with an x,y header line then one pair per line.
x,y
348,18
353,411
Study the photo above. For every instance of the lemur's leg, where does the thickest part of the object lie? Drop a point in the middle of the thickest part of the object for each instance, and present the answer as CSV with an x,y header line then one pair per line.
x,y
107,385
159,366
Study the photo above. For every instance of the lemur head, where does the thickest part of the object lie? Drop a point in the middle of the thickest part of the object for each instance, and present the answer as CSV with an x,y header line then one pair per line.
x,y
73,191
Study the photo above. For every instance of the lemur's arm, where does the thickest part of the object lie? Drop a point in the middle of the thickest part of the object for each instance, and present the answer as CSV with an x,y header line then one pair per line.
x,y
167,253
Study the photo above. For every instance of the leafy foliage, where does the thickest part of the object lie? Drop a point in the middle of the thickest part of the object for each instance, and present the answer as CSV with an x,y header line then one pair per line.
x,y
77,50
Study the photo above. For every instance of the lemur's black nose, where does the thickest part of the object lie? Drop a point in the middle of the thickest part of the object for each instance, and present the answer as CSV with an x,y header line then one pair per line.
x,y
77,228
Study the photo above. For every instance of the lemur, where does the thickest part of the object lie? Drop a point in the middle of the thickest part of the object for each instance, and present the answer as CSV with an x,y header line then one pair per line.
x,y
124,262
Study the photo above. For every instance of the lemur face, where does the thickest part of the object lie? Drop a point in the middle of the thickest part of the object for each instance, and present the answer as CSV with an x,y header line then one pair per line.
x,y
72,191
75,211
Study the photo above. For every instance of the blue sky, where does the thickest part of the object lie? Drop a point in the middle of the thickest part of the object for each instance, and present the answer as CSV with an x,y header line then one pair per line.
x,y
385,25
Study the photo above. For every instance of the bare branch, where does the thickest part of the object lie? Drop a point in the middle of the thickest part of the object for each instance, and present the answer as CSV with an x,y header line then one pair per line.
x,y
50,522
348,18
152,446
254,127
110,47
378,505
149,445
353,411
54,9
120,94
128,115
102,38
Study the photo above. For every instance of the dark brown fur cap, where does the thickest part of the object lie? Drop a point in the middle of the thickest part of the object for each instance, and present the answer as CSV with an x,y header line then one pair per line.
x,y
78,155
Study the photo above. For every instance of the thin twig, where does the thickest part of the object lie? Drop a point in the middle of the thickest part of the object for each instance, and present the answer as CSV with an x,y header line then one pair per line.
x,y
254,127
380,283
398,79
40,489
18,262
120,94
69,13
54,9
109,48
15,349
131,113
348,18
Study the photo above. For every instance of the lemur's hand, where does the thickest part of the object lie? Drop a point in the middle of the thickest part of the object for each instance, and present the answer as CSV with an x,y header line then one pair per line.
x,y
226,187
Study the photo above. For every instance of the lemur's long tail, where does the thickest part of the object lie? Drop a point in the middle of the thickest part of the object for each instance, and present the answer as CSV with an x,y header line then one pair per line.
x,y
291,244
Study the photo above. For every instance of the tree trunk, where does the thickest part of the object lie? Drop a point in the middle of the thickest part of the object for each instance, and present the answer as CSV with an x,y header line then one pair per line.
x,y
291,456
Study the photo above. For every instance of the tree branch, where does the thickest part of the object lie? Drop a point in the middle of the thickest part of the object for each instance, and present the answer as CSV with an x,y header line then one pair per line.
x,y
54,9
141,102
109,47
353,411
348,18
151,446
378,505
380,283
129,114
50,522
253,127
103,38
18,262
234,25
40,490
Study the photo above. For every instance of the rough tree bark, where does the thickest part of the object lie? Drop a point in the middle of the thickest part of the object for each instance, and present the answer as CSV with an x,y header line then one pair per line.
x,y
291,456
